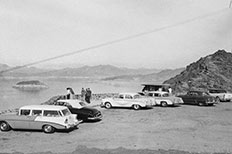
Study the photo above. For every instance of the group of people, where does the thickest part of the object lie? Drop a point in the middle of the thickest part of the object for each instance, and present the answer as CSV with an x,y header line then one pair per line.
x,y
85,94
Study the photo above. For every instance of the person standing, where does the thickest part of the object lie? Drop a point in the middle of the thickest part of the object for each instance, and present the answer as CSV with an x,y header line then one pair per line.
x,y
70,93
170,90
83,93
88,95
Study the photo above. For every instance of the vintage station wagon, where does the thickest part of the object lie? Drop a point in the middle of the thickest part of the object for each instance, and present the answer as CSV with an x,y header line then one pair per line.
x,y
39,117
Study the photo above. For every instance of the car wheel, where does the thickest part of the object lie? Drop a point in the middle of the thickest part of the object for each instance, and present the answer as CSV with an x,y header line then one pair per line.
x,y
108,105
164,104
136,107
48,129
4,126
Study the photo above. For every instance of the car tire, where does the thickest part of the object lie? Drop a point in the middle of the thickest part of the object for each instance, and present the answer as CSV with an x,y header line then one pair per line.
x,y
4,126
136,106
108,105
48,129
164,104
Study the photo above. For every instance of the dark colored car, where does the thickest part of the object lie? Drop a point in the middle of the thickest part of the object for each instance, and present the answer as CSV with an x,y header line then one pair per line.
x,y
198,98
85,113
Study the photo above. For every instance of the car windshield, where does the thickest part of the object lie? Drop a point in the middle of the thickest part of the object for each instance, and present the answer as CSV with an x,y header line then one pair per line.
x,y
66,112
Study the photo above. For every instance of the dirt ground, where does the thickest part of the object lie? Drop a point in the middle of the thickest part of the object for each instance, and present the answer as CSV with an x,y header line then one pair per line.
x,y
187,128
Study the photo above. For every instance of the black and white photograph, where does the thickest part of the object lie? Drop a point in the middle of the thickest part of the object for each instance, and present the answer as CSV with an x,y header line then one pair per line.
x,y
115,76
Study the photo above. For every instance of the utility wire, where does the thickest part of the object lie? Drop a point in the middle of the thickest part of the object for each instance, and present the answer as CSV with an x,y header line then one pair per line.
x,y
118,40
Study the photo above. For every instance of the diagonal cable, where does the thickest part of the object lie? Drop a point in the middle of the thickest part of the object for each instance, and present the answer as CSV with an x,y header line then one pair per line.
x,y
119,40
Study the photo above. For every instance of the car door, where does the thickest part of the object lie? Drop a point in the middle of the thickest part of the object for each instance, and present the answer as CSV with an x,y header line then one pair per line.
x,y
22,121
157,98
120,101
129,101
35,124
189,98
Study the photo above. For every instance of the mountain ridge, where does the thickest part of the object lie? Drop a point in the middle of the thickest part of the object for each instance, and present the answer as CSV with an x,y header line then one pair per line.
x,y
84,71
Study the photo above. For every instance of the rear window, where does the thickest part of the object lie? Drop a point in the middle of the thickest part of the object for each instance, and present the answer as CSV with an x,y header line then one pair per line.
x,y
66,112
50,113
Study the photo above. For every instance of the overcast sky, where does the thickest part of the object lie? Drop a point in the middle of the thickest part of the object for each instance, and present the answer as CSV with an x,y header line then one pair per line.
x,y
33,30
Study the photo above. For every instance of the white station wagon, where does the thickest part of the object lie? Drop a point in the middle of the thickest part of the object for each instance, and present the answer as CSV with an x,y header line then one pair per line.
x,y
131,100
39,117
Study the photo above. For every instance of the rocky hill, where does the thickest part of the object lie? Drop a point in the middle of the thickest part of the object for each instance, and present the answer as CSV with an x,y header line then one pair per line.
x,y
212,71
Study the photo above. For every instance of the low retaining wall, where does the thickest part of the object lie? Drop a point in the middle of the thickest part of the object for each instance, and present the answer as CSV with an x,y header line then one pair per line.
x,y
55,98
78,96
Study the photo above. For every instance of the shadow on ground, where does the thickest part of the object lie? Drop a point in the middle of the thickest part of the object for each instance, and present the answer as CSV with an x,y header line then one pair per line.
x,y
85,150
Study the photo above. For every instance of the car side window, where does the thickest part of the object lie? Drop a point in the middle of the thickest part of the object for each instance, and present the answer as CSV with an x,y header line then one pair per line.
x,y
120,96
156,95
36,112
25,112
49,113
136,96
128,97
193,94
150,94
67,104
165,95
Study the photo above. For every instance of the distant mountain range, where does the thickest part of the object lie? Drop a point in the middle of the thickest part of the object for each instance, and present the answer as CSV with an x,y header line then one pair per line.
x,y
212,71
104,72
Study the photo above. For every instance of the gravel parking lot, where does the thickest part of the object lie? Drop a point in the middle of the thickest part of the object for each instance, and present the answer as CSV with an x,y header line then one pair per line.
x,y
188,128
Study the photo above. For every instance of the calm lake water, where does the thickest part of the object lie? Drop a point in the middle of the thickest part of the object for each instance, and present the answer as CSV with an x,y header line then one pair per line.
x,y
11,98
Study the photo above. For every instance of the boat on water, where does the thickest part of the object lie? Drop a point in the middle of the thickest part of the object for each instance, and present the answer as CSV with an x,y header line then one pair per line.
x,y
32,85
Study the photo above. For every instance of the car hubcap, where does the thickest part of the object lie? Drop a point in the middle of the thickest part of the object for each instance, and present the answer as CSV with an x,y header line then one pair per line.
x,y
3,126
107,105
164,104
48,128
136,107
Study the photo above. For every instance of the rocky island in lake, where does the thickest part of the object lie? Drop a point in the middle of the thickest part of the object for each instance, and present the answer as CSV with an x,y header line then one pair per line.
x,y
30,85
